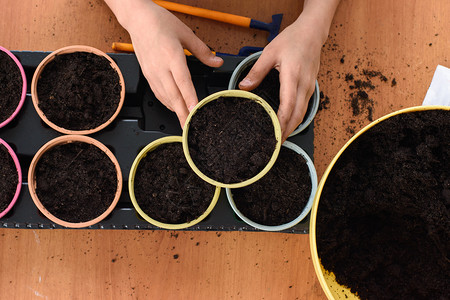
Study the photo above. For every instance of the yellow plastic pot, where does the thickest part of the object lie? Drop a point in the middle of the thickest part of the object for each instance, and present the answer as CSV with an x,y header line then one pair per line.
x,y
150,147
332,289
240,94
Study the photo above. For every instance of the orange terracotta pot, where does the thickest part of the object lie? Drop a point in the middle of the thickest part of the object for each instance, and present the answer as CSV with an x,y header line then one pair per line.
x,y
64,140
67,50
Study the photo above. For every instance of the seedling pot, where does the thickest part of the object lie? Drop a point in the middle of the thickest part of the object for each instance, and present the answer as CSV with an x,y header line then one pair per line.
x,y
244,67
306,209
131,187
19,178
24,87
60,141
327,279
223,95
69,50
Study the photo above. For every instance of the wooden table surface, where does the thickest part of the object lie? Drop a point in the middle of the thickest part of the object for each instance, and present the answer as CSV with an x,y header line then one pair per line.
x,y
403,40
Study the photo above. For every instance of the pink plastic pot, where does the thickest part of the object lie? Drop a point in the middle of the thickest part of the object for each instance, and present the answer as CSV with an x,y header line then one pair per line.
x,y
24,87
19,174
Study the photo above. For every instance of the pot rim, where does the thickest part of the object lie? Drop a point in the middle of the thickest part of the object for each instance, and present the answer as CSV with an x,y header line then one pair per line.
x,y
19,181
65,139
306,209
24,87
249,60
241,94
331,287
68,50
150,147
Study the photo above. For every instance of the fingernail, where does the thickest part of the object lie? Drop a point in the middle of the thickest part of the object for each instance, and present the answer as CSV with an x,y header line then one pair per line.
x,y
245,82
190,108
217,59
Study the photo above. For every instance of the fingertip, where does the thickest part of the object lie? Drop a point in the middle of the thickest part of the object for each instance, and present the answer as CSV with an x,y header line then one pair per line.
x,y
217,60
245,84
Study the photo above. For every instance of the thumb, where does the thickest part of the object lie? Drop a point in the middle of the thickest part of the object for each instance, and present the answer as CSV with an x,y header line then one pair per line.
x,y
257,73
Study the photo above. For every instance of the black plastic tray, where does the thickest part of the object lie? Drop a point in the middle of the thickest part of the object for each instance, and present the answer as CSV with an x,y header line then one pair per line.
x,y
142,119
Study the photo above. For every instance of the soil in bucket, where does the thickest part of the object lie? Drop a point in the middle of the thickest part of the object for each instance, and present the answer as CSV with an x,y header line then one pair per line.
x,y
78,91
76,182
10,86
281,195
231,139
167,189
383,218
8,178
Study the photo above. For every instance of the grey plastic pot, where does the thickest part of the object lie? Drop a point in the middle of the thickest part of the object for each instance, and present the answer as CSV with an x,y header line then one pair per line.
x,y
314,101
306,209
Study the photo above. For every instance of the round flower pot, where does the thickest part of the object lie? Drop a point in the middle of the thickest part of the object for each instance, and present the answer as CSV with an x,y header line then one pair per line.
x,y
269,90
19,87
78,90
266,193
165,191
5,173
75,181
231,138
379,222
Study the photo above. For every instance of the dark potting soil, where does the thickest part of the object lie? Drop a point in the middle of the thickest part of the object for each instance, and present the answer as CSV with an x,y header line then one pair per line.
x,y
383,219
8,178
281,195
231,139
76,182
10,86
167,189
269,89
79,91
361,84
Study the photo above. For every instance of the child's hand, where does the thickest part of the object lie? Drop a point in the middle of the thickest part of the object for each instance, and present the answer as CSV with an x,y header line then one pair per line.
x,y
295,53
158,39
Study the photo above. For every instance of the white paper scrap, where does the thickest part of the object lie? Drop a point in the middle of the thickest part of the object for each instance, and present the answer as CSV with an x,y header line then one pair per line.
x,y
439,91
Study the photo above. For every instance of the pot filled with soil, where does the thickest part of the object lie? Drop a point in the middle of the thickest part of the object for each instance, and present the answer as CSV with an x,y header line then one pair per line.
x,y
75,181
269,89
13,86
165,191
231,138
10,178
380,221
283,197
78,90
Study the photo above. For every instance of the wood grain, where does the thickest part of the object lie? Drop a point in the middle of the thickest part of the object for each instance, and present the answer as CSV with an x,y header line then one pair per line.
x,y
402,39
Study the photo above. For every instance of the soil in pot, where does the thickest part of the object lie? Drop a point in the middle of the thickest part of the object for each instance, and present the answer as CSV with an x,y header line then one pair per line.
x,y
281,195
269,89
10,86
8,178
166,188
231,139
76,182
383,218
78,91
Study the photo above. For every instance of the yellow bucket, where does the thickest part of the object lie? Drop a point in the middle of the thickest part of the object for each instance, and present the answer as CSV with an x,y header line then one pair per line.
x,y
332,289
